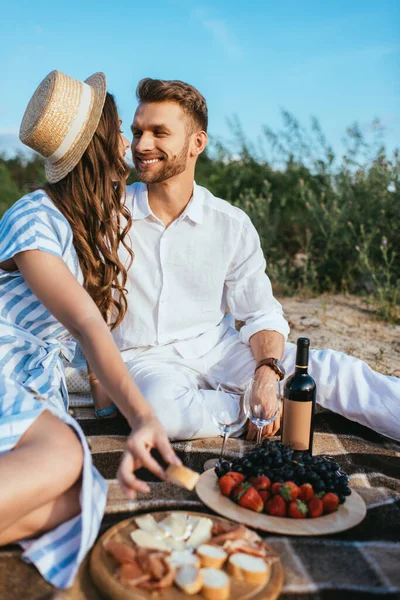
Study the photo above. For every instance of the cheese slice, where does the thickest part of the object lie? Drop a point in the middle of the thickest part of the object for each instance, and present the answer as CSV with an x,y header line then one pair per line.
x,y
148,540
147,523
173,544
175,527
201,533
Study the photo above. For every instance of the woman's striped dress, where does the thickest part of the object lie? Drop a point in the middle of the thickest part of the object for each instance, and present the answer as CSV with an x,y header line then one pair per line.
x,y
32,345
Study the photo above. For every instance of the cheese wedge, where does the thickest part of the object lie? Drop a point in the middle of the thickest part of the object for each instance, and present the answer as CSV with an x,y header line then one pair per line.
x,y
148,540
147,523
182,476
251,569
211,556
173,544
189,579
201,533
216,584
174,526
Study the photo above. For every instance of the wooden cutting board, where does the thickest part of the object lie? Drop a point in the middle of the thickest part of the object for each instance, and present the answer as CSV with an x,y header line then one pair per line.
x,y
103,567
349,514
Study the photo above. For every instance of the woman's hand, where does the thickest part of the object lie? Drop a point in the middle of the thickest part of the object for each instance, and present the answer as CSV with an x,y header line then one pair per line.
x,y
147,433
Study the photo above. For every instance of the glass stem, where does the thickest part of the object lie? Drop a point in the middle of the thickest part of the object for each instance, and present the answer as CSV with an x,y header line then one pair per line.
x,y
259,433
225,437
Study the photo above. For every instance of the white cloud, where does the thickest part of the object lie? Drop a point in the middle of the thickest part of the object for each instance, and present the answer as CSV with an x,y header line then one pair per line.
x,y
219,30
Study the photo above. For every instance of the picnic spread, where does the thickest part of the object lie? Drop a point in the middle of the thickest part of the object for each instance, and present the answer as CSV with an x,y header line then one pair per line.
x,y
361,562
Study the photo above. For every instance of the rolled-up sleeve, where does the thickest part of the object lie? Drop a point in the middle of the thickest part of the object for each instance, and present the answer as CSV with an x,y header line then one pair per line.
x,y
248,288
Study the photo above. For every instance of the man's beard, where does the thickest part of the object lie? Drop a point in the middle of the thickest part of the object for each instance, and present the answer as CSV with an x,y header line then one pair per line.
x,y
169,167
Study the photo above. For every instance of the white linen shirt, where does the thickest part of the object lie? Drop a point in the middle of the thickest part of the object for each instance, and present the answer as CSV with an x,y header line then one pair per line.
x,y
185,276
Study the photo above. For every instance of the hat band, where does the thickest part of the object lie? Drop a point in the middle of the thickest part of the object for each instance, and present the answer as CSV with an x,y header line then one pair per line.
x,y
76,125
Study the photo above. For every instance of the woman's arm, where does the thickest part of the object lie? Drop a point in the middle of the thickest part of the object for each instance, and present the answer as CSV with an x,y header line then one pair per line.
x,y
55,286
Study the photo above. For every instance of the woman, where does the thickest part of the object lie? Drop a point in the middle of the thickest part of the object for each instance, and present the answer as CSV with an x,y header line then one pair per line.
x,y
60,276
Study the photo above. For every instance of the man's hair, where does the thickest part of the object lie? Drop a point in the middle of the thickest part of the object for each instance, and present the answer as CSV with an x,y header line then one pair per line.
x,y
188,98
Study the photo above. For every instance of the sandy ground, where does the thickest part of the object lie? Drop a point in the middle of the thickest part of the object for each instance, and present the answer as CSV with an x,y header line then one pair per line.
x,y
348,324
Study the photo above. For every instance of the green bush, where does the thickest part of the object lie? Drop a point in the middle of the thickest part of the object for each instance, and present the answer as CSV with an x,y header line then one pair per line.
x,y
325,224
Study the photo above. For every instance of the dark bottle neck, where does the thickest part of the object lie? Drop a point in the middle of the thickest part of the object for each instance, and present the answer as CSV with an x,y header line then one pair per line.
x,y
303,346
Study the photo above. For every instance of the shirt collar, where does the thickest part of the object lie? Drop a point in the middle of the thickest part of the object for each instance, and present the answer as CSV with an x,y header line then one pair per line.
x,y
194,210
141,208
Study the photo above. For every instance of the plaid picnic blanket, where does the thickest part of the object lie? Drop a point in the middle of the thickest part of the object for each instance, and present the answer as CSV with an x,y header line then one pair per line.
x,y
363,562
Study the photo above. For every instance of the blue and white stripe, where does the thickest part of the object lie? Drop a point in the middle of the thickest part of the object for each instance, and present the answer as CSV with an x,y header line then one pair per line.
x,y
32,379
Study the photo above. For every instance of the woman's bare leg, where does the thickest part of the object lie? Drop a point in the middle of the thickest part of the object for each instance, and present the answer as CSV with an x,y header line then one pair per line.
x,y
44,518
40,479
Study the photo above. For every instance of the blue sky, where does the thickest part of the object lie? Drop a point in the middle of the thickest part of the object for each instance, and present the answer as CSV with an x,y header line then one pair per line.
x,y
338,60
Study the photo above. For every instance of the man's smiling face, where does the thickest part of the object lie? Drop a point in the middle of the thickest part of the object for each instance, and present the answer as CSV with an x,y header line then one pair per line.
x,y
161,139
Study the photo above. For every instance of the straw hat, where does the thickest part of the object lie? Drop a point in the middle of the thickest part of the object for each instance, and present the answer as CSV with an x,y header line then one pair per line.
x,y
61,119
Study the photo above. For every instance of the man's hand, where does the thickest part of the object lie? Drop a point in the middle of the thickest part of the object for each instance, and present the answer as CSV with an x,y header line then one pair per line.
x,y
265,376
146,434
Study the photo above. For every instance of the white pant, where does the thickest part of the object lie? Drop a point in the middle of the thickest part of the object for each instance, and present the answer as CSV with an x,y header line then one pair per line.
x,y
182,390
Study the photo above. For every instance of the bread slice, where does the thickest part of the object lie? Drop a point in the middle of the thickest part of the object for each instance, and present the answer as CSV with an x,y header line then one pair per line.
x,y
251,569
216,584
182,476
211,556
189,579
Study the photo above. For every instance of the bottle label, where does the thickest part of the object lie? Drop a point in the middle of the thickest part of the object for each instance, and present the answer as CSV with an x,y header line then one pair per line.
x,y
297,424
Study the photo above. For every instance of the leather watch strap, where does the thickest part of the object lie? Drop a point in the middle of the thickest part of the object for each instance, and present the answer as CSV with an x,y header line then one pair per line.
x,y
271,363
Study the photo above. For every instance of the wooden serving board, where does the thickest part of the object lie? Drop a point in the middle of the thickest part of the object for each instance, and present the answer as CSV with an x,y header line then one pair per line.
x,y
349,514
103,567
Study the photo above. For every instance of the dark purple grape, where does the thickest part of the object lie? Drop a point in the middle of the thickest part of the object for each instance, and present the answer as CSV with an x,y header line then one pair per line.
x,y
218,471
346,491
319,486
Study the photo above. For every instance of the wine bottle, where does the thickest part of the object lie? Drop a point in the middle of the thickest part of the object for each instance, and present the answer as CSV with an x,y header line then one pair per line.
x,y
299,403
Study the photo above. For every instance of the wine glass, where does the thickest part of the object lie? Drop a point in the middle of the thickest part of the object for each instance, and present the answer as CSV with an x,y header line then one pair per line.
x,y
261,403
229,416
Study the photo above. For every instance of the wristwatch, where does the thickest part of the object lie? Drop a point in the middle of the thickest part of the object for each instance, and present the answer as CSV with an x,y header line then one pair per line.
x,y
274,364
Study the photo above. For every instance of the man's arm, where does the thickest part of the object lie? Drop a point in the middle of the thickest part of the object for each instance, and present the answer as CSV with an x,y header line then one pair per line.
x,y
266,344
250,299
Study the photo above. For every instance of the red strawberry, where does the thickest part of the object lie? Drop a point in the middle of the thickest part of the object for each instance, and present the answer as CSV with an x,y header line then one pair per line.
x,y
229,481
276,507
297,509
275,487
265,495
289,491
330,502
315,507
306,492
247,497
261,483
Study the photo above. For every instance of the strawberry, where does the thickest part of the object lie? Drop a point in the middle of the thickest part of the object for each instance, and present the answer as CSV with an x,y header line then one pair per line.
x,y
315,507
247,497
265,495
330,502
306,492
289,491
276,507
229,481
275,487
297,509
261,483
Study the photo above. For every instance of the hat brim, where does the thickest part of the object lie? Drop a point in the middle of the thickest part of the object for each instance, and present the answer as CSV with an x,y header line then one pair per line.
x,y
57,171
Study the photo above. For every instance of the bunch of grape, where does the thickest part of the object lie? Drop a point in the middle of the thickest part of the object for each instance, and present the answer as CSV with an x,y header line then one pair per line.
x,y
281,463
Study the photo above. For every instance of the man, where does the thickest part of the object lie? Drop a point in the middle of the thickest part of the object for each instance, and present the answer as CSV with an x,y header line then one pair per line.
x,y
196,256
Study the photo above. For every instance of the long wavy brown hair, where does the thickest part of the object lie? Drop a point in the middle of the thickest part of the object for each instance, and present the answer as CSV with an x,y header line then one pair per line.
x,y
92,199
